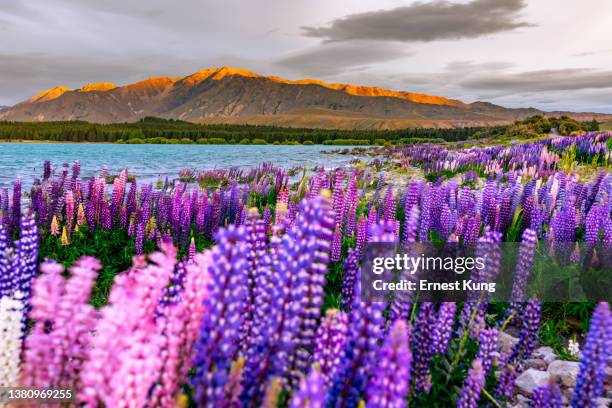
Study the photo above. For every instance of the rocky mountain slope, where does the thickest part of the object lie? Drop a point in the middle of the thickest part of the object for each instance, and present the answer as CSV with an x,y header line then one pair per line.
x,y
230,95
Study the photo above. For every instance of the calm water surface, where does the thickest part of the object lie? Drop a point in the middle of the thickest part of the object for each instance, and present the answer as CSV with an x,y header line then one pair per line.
x,y
150,162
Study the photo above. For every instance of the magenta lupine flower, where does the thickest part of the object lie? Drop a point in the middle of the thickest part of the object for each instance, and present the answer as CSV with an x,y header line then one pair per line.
x,y
225,304
547,396
329,344
389,386
178,324
596,355
488,348
312,392
361,234
470,393
192,250
62,318
125,357
423,347
443,329
336,246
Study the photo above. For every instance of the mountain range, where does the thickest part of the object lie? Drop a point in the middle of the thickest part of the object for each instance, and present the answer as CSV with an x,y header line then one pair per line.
x,y
238,96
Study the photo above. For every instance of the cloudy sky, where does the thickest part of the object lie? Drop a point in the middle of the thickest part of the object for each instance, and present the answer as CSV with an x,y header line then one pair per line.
x,y
549,54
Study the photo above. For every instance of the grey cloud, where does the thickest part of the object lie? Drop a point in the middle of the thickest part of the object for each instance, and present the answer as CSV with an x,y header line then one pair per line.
x,y
542,80
594,52
438,20
334,58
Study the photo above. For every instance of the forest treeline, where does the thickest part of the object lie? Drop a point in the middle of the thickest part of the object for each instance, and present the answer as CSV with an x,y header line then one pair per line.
x,y
161,131
155,130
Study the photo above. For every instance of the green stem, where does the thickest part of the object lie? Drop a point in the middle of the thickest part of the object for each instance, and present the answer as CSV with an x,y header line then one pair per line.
x,y
465,335
490,397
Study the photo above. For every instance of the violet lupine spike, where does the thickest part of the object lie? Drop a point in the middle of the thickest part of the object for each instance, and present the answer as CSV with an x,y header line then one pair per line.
x,y
528,335
390,385
390,206
330,340
423,347
351,273
293,282
474,383
505,385
225,310
443,329
411,224
488,348
338,198
596,355
310,273
312,391
547,396
336,246
16,206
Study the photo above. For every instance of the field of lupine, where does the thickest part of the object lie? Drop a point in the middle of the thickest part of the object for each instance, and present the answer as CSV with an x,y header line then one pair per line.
x,y
242,288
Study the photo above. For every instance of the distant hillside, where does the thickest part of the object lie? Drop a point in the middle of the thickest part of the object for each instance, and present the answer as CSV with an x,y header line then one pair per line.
x,y
236,96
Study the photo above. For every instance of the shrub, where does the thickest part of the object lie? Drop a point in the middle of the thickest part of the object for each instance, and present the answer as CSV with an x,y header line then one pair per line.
x,y
245,141
259,142
217,140
202,141
185,140
307,143
135,140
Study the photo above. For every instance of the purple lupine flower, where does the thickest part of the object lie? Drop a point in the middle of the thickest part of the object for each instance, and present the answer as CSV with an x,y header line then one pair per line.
x,y
524,264
528,335
351,272
423,347
390,385
390,206
140,235
474,383
505,386
488,348
47,170
292,281
426,205
547,396
338,198
105,216
312,392
442,331
596,355
225,309
336,247
16,206
329,343
411,224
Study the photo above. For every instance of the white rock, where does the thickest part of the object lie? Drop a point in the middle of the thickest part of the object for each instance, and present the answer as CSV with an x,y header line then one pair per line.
x,y
536,363
545,353
507,341
565,371
604,402
531,379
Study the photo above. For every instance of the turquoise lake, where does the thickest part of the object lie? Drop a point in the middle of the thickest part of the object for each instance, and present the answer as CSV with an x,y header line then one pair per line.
x,y
151,162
